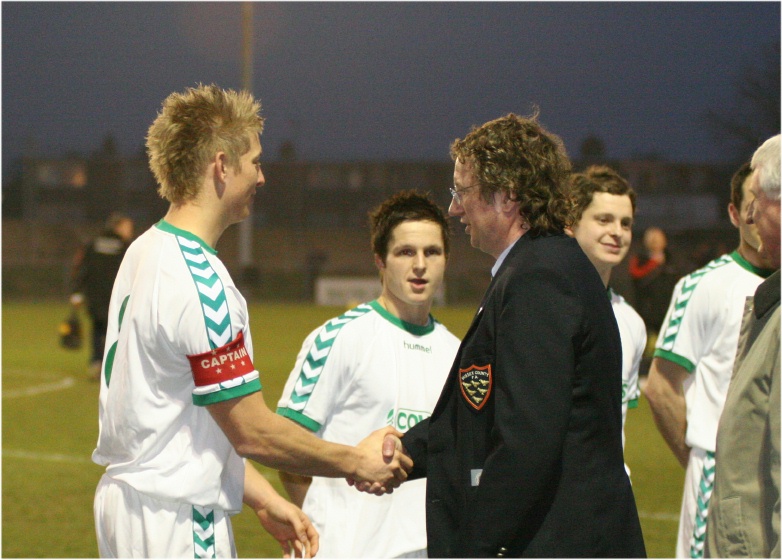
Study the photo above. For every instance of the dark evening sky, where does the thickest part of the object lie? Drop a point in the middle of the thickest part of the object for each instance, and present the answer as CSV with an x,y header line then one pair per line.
x,y
351,81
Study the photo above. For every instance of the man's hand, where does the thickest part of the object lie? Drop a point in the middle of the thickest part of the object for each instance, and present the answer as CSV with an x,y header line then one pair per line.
x,y
665,393
385,466
283,520
290,526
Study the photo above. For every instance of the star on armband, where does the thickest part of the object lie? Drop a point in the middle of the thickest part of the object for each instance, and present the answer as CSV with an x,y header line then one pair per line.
x,y
223,373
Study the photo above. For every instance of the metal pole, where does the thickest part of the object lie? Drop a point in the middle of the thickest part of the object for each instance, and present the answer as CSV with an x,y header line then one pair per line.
x,y
246,226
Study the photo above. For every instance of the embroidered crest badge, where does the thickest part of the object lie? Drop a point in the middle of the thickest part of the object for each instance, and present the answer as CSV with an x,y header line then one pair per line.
x,y
476,383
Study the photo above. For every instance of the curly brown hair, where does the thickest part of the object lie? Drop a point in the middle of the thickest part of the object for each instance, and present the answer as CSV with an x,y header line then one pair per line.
x,y
517,156
597,178
191,128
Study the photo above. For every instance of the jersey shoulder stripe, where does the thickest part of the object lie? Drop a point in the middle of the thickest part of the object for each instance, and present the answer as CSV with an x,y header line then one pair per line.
x,y
313,364
211,293
679,305
217,319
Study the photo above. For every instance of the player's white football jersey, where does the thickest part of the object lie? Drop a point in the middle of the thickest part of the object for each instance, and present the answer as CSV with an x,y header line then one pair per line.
x,y
700,333
632,332
173,300
356,373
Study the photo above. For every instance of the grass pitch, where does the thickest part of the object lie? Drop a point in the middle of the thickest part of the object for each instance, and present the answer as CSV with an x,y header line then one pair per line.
x,y
49,415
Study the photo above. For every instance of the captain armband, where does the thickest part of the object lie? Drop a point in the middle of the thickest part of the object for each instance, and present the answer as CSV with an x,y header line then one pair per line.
x,y
224,373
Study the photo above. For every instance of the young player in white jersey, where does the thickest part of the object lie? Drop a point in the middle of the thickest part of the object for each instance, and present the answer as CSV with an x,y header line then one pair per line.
x,y
604,210
693,362
633,333
381,363
180,399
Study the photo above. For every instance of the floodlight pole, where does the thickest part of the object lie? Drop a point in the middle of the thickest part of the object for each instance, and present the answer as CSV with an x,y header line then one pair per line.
x,y
248,271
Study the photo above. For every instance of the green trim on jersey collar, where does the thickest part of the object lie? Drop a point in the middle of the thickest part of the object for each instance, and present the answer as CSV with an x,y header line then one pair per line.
x,y
744,263
417,330
165,226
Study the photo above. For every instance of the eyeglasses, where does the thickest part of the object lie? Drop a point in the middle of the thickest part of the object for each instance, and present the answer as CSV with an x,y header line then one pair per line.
x,y
457,195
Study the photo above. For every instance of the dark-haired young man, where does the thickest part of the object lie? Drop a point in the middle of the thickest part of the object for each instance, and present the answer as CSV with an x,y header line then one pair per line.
x,y
748,437
694,356
381,363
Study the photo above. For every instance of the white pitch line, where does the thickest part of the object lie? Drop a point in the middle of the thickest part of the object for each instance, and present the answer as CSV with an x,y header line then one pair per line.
x,y
658,516
62,458
38,389
56,457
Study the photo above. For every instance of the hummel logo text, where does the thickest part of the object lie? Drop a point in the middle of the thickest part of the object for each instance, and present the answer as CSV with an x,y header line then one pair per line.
x,y
408,346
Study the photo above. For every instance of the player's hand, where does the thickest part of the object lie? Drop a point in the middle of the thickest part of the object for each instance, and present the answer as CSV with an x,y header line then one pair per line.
x,y
385,465
290,526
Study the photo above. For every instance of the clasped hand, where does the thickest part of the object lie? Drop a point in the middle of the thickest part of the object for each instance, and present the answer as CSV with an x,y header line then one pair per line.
x,y
384,465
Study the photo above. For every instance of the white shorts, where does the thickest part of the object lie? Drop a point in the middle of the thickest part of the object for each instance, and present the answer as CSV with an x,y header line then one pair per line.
x,y
698,483
129,524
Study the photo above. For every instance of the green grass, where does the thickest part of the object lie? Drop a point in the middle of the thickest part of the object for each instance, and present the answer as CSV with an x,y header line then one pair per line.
x,y
48,480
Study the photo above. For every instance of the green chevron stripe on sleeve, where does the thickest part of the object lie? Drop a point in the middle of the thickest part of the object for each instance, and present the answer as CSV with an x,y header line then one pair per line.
x,y
317,356
108,366
689,282
211,292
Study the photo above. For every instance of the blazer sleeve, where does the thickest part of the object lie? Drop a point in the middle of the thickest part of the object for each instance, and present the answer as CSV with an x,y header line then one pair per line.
x,y
537,317
415,442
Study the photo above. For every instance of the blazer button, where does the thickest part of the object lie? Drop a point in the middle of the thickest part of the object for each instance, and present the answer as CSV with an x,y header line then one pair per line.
x,y
502,551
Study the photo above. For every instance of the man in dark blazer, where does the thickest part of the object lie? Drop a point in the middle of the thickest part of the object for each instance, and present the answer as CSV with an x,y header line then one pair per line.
x,y
523,452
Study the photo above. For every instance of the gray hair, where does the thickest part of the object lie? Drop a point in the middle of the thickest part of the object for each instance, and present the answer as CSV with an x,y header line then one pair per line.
x,y
765,162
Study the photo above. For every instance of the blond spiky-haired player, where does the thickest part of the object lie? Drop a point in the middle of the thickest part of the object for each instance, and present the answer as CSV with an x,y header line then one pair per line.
x,y
180,399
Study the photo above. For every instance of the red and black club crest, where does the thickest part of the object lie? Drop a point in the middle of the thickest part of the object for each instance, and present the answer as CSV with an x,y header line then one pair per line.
x,y
476,383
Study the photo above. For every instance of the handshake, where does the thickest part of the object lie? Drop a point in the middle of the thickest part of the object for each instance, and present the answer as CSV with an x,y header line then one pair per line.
x,y
380,473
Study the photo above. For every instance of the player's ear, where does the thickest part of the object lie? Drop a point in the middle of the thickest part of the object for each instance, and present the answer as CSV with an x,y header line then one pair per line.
x,y
734,214
503,203
570,232
379,262
221,166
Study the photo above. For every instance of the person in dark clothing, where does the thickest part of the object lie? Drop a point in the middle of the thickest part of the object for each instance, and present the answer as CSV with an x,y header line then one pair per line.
x,y
95,268
523,451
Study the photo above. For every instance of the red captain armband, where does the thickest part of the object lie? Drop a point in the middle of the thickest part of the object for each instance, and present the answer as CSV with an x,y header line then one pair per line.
x,y
221,364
